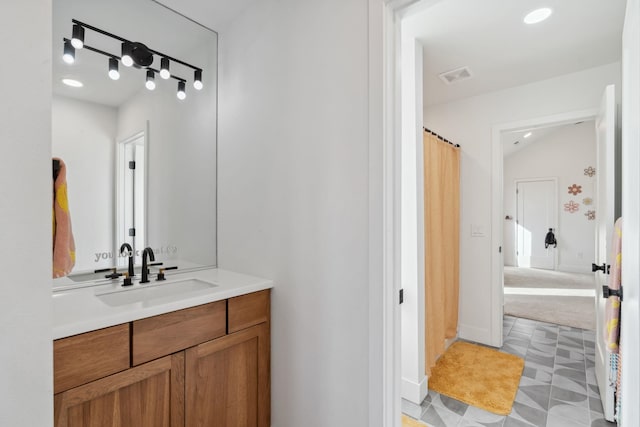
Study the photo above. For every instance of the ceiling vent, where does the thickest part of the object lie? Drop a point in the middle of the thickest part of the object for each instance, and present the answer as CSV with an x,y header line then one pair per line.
x,y
457,75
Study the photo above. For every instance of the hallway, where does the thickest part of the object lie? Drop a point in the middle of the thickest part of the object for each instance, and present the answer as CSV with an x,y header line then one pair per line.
x,y
557,389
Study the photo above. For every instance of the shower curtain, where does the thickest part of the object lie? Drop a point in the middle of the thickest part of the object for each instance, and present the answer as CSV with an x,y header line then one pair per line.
x,y
442,244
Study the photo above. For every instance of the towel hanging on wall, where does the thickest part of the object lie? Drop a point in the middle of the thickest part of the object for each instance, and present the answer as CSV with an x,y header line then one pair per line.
x,y
64,249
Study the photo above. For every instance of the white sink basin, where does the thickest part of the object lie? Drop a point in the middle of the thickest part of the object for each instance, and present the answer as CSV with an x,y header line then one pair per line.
x,y
155,293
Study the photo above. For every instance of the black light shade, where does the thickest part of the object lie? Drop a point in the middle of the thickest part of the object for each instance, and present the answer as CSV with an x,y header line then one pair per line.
x,y
164,68
114,73
126,58
151,80
197,79
69,55
181,91
77,36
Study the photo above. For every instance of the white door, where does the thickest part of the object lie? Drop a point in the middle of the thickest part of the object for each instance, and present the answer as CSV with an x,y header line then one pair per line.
x,y
605,212
535,215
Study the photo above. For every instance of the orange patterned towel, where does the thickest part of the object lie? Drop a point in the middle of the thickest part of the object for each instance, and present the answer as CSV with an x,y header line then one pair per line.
x,y
612,326
64,248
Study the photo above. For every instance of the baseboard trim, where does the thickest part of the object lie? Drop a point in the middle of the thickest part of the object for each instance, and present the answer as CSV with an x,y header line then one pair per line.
x,y
414,392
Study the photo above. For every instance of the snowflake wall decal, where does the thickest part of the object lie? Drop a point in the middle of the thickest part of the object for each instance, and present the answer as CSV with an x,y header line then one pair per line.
x,y
575,189
571,207
587,201
591,215
590,171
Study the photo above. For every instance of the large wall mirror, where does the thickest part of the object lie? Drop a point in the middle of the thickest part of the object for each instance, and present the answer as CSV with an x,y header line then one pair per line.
x,y
138,144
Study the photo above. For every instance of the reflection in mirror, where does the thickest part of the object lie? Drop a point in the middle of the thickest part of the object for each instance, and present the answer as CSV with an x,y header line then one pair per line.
x,y
139,150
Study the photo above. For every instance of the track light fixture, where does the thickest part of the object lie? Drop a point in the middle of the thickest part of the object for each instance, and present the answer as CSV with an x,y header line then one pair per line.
x,y
181,91
151,80
164,68
77,36
114,73
133,54
69,55
197,79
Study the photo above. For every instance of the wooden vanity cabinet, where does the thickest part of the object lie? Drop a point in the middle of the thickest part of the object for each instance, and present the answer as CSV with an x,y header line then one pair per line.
x,y
186,368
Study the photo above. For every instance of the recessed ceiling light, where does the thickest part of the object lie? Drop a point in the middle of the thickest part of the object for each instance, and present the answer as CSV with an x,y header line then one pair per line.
x,y
72,82
527,135
537,15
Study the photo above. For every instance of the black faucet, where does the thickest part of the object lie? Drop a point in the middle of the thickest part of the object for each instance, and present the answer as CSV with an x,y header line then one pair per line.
x,y
126,246
145,269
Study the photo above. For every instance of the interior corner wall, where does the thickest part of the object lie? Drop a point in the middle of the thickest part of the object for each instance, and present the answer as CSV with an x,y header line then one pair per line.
x,y
26,359
469,123
294,196
563,154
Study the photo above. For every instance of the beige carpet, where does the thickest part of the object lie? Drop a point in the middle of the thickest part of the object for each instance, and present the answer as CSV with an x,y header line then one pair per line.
x,y
410,422
550,296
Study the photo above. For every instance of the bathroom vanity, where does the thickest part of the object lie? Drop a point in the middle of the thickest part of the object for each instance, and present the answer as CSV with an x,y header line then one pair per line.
x,y
201,358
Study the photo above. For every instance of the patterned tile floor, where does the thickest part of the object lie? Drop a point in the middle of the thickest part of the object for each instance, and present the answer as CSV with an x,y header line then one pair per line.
x,y
557,388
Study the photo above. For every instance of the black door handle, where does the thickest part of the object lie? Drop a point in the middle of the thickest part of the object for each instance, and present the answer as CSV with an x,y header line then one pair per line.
x,y
604,267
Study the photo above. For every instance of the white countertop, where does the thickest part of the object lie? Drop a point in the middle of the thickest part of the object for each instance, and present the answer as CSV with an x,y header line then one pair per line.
x,y
76,311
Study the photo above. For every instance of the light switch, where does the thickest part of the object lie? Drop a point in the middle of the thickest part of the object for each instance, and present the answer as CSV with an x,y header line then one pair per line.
x,y
478,230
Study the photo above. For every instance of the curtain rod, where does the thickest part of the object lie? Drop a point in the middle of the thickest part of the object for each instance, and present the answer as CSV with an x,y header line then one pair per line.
x,y
441,137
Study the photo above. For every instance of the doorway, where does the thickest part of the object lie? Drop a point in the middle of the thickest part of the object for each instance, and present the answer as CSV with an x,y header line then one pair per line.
x,y
536,214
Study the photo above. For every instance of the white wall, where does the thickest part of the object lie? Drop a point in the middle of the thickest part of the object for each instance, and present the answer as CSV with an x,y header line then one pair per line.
x,y
25,216
469,122
83,136
294,196
181,149
563,154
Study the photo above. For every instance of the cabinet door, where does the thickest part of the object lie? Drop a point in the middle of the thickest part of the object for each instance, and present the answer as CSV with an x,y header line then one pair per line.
x,y
149,395
227,380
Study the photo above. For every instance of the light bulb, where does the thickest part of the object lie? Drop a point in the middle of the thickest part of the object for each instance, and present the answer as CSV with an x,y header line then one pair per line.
x,y
150,83
181,91
69,55
126,58
197,79
114,74
164,68
77,38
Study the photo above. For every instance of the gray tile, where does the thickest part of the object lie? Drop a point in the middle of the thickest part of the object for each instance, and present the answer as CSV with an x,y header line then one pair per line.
x,y
561,362
591,376
569,384
479,417
528,414
569,412
436,416
516,422
593,390
542,349
571,373
576,355
548,361
556,421
519,335
595,405
535,396
452,405
568,396
537,374
597,420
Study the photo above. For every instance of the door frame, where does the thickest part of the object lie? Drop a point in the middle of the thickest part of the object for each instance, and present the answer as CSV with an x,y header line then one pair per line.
x,y
497,204
556,212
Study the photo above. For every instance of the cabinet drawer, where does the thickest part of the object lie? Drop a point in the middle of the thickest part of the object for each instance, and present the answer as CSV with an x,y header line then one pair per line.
x,y
167,333
248,310
87,357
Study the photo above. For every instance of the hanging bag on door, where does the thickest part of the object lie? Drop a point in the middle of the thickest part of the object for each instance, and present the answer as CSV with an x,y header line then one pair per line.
x,y
550,239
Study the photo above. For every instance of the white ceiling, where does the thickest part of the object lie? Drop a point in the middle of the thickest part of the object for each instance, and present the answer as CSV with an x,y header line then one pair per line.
x,y
490,37
509,139
215,14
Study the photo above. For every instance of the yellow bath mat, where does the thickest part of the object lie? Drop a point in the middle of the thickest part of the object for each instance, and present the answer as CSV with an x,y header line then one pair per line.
x,y
478,376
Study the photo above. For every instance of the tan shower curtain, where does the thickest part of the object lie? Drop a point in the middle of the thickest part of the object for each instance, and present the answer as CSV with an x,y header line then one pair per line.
x,y
442,244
